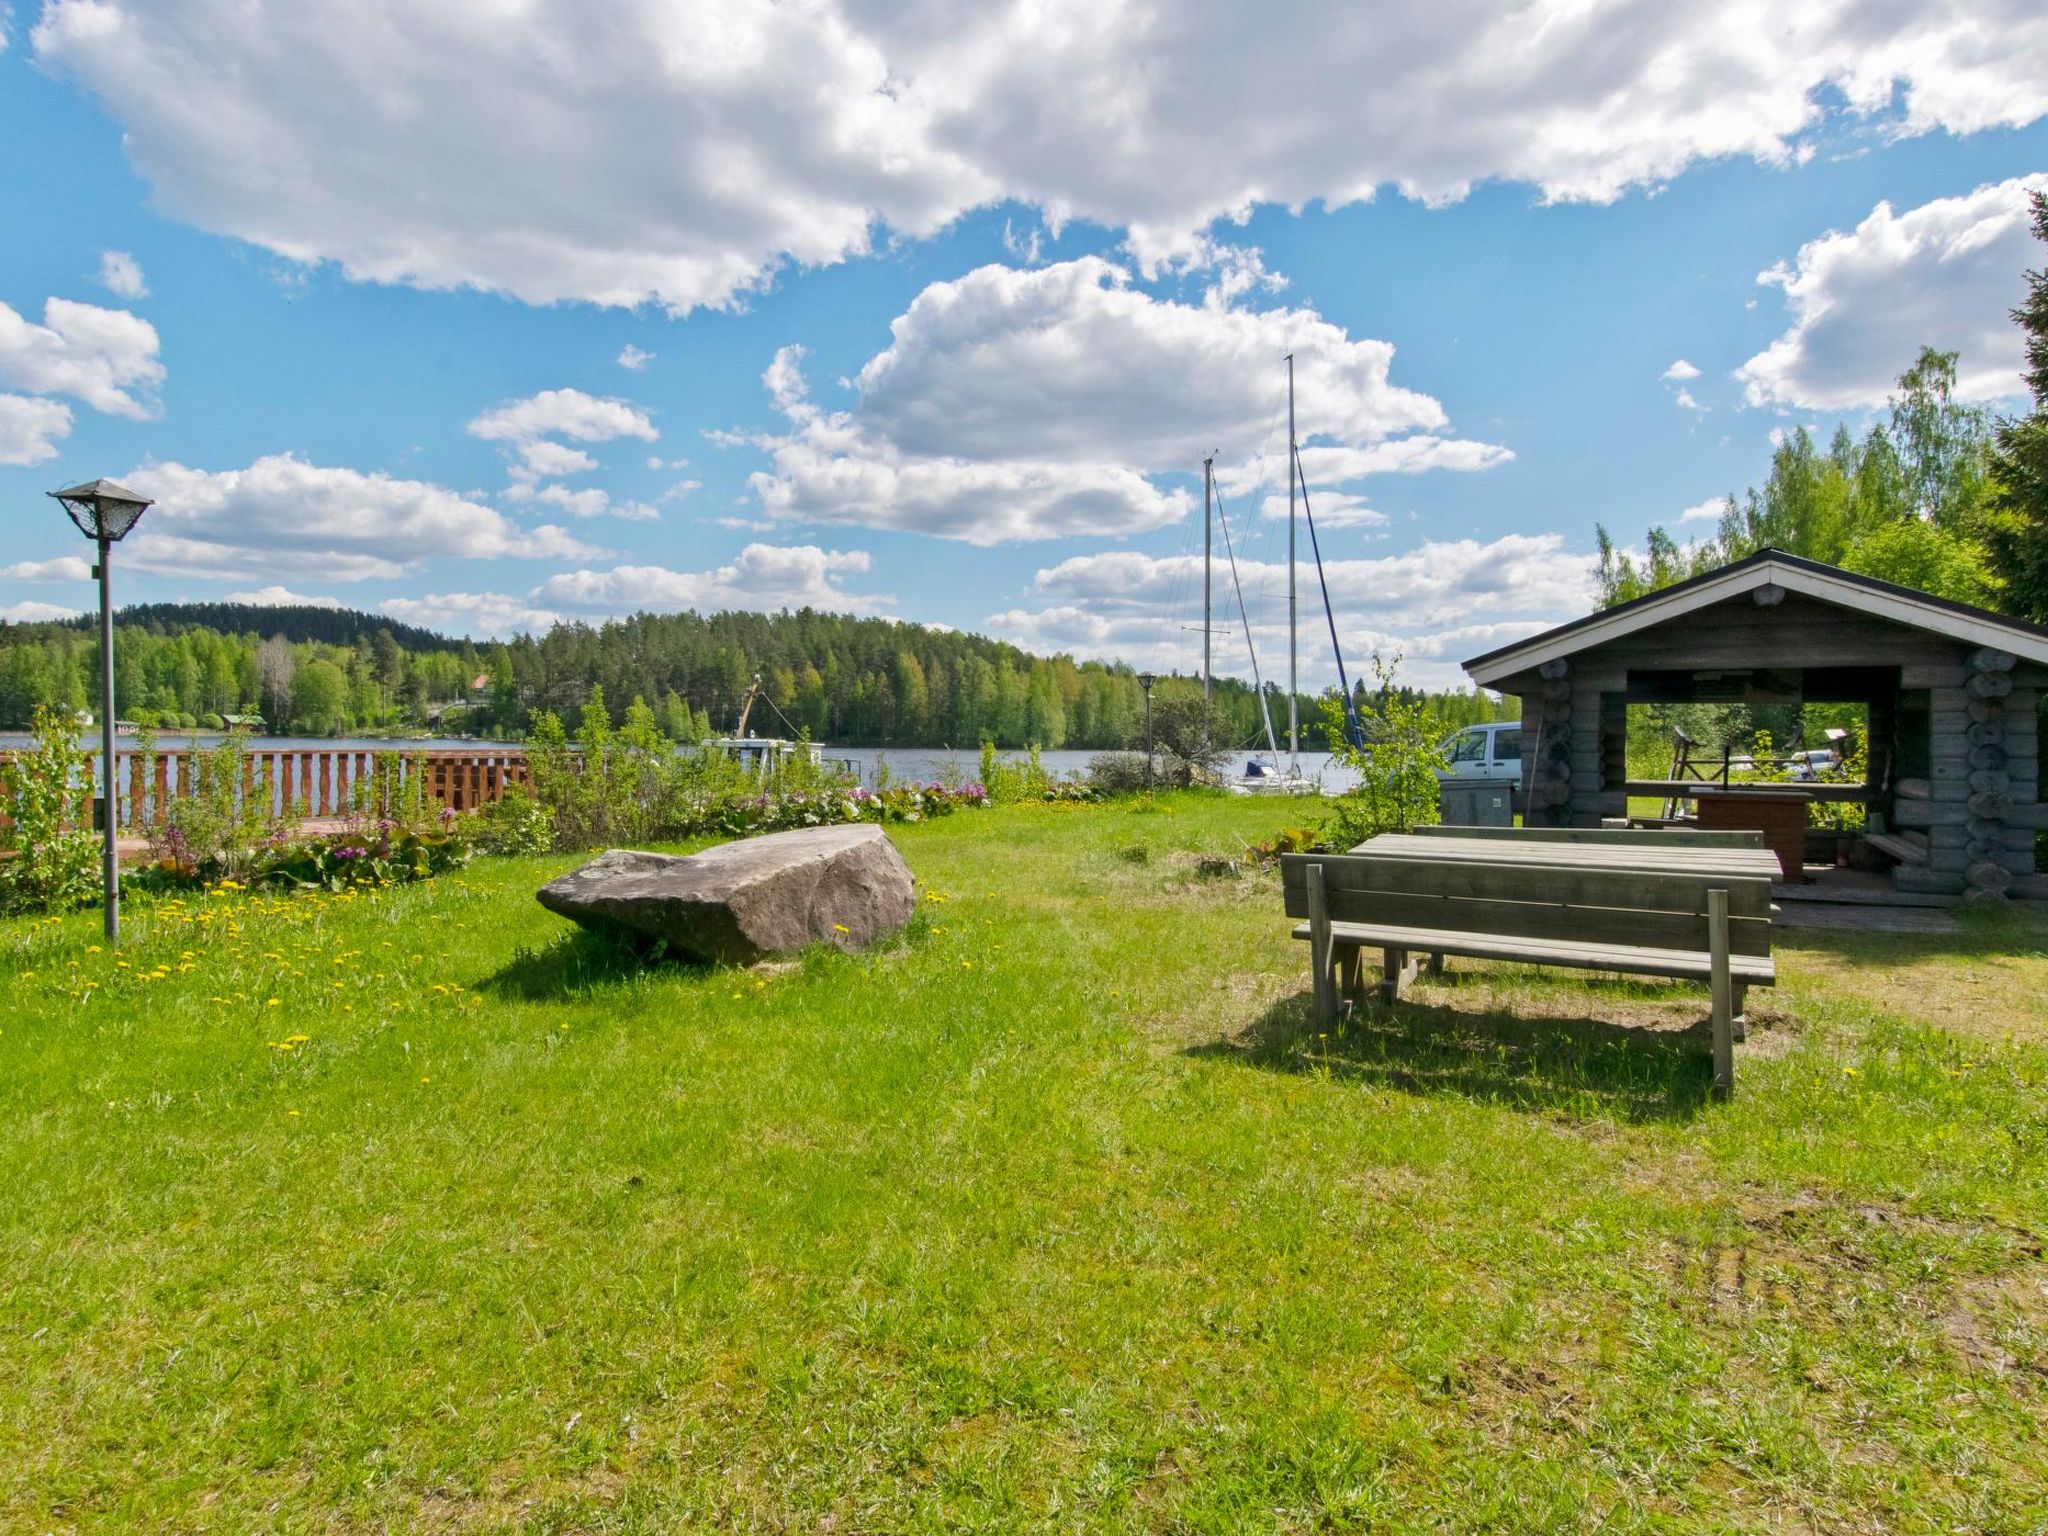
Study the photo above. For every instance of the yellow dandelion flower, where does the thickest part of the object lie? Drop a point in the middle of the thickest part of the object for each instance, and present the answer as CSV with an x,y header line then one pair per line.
x,y
270,1002
841,928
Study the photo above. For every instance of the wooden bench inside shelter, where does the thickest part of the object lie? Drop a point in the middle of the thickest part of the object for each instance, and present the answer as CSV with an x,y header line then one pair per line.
x,y
1624,914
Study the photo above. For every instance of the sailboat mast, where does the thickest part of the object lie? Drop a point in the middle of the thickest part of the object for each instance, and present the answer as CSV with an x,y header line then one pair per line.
x,y
1208,583
1245,617
1293,647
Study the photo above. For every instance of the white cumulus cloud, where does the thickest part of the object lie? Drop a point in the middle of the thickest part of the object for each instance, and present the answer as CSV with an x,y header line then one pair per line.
x,y
763,576
105,357
1680,371
759,577
35,613
121,274
63,568
634,359
282,597
1041,403
481,614
680,151
530,429
1864,301
1436,604
282,516
30,429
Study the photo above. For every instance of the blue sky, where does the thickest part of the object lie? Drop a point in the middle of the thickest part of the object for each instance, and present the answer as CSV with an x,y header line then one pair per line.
x,y
362,336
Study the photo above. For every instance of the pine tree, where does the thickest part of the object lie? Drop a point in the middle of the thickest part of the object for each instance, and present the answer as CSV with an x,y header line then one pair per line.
x,y
2017,528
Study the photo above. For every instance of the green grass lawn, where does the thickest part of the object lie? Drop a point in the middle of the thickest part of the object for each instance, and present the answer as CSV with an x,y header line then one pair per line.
x,y
1053,1215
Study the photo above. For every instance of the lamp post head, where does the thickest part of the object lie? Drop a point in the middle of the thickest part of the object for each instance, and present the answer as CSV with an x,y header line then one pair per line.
x,y
103,509
1146,680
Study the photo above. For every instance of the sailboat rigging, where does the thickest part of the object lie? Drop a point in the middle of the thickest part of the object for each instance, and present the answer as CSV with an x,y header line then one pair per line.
x,y
1353,732
1257,777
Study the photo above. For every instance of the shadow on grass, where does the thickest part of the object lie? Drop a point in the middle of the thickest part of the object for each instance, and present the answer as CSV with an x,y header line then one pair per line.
x,y
1576,1067
579,963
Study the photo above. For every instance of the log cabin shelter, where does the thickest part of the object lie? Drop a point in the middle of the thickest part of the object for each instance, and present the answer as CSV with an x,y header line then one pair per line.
x,y
1951,787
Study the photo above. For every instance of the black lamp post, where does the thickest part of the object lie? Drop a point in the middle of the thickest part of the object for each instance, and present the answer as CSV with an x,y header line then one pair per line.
x,y
1145,681
106,513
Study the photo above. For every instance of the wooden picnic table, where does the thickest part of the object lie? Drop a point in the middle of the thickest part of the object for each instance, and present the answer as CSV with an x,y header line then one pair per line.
x,y
1650,857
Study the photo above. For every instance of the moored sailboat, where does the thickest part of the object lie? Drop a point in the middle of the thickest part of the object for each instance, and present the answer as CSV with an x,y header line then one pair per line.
x,y
1266,776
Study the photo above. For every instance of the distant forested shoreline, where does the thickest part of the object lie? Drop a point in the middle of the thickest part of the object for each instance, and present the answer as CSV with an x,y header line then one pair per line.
x,y
862,682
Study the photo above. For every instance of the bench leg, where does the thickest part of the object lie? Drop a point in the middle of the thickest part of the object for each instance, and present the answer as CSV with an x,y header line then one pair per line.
x,y
1435,966
1739,1001
1322,976
1398,969
1350,967
1724,994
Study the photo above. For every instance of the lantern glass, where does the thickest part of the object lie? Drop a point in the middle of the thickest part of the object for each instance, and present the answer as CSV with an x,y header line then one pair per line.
x,y
101,509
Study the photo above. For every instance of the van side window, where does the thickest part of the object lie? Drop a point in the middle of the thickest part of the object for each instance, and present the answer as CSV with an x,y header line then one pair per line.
x,y
1470,748
1507,746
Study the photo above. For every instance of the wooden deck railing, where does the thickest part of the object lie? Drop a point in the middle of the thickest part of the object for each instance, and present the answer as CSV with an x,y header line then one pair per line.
x,y
315,782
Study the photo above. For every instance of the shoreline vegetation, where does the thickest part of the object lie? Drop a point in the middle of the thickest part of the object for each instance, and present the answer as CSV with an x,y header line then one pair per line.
x,y
410,1206
866,683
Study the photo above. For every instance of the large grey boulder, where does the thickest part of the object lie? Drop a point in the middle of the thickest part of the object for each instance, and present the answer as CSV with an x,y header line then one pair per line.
x,y
740,902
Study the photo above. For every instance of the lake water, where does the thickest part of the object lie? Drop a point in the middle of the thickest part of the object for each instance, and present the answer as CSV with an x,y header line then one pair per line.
x,y
921,763
931,763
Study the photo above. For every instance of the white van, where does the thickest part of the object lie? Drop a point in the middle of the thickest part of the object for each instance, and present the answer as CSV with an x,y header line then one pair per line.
x,y
1491,751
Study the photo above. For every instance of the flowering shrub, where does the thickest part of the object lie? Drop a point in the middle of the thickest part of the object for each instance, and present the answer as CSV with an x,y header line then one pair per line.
x,y
220,819
1071,792
514,823
377,854
781,812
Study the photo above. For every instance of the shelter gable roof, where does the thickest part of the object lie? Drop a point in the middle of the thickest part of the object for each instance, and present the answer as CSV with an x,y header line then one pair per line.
x,y
1768,567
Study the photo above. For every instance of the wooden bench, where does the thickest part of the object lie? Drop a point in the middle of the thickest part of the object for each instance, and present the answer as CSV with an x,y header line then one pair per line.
x,y
1712,927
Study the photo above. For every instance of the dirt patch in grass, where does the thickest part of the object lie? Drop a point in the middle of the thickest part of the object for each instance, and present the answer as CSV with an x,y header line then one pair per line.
x,y
1986,983
1999,1323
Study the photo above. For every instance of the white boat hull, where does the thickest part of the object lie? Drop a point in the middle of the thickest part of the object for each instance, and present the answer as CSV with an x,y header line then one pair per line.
x,y
1272,784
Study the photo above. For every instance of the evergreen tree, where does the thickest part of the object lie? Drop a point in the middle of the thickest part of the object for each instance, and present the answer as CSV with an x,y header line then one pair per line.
x,y
2017,524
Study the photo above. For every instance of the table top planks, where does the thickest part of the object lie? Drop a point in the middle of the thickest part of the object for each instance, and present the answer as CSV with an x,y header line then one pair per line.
x,y
1657,858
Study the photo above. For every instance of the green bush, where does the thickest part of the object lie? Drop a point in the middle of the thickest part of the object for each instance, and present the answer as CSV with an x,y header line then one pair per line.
x,y
1189,733
221,816
1120,773
515,823
1397,768
45,794
1007,781
613,787
361,857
